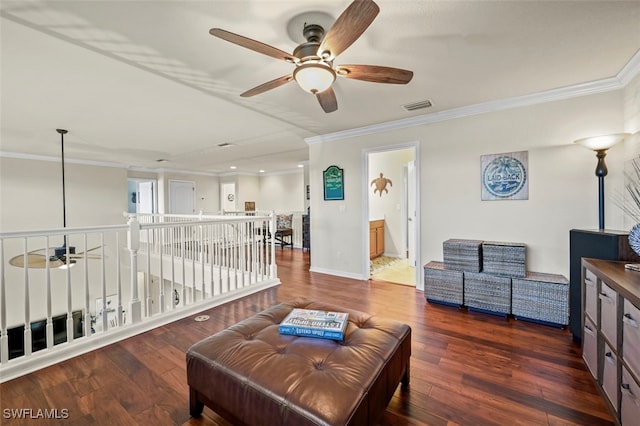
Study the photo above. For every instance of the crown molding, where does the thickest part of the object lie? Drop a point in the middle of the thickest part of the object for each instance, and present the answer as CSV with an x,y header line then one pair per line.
x,y
628,72
22,156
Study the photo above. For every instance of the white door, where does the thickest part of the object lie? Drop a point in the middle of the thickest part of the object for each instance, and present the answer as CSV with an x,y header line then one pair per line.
x,y
228,195
411,212
145,197
182,197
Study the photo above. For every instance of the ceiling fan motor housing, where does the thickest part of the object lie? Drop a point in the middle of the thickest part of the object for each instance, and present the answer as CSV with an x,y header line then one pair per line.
x,y
62,251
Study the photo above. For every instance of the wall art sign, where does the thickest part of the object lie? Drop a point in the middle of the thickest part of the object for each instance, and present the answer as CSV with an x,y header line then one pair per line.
x,y
333,180
505,176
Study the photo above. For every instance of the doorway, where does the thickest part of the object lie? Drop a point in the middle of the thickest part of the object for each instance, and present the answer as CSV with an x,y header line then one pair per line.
x,y
141,196
391,176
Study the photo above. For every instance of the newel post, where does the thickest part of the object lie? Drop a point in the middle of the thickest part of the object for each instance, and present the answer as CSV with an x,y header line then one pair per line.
x,y
133,244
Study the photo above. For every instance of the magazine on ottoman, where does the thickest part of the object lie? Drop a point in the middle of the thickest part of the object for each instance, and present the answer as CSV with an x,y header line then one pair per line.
x,y
312,323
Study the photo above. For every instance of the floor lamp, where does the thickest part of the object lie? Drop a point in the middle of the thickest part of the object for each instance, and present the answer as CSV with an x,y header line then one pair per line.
x,y
600,144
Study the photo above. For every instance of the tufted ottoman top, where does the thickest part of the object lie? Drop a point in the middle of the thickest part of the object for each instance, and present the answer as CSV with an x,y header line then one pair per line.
x,y
257,376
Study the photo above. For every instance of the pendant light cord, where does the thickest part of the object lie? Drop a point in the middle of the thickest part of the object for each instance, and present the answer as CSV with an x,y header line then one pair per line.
x,y
64,201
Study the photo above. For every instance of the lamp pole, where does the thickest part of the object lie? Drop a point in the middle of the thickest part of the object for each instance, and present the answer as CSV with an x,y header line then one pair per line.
x,y
601,172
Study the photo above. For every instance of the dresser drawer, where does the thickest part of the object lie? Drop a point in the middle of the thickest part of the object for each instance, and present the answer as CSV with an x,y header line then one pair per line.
x,y
608,310
631,336
630,399
590,347
591,295
610,375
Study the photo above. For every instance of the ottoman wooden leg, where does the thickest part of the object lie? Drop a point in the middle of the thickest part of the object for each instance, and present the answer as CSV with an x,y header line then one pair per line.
x,y
405,378
195,406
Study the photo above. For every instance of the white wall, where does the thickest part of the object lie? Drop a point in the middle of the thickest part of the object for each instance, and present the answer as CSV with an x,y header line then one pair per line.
x,y
248,189
31,194
282,192
562,186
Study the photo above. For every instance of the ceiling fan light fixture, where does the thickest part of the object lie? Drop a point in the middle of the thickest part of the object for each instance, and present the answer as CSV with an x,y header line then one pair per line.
x,y
69,265
315,77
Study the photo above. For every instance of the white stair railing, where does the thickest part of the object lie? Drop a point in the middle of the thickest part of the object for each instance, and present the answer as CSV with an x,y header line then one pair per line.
x,y
118,281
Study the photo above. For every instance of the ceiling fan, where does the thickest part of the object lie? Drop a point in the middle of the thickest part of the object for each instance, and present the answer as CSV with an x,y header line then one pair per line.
x,y
58,257
314,69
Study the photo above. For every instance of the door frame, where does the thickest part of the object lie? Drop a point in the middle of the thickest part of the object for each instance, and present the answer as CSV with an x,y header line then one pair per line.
x,y
419,282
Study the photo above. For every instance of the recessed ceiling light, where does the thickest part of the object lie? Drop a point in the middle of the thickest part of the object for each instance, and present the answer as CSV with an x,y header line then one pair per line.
x,y
233,167
162,160
301,165
261,171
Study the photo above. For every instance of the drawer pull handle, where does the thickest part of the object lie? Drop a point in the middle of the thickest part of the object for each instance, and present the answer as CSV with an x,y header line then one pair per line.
x,y
588,330
589,281
610,359
605,298
626,389
628,319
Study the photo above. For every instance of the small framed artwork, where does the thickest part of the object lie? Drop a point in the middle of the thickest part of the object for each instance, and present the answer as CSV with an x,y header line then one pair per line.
x,y
505,176
333,182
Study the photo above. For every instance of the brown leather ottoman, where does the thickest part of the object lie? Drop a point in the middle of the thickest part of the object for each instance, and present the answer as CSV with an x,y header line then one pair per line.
x,y
250,374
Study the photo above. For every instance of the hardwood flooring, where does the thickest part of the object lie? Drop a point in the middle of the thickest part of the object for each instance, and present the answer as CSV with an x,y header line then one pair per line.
x,y
467,368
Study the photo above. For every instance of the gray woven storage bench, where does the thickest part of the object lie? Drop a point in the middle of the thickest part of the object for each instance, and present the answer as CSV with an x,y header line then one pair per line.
x,y
507,259
487,293
442,285
541,297
462,255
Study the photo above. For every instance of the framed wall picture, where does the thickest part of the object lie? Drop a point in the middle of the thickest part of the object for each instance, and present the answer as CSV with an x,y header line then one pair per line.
x,y
333,183
505,176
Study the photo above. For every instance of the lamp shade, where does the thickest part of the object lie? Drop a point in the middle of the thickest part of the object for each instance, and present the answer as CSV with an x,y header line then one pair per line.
x,y
599,143
314,77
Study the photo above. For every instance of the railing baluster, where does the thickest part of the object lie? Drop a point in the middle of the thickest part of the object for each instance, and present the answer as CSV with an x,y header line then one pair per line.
x,y
103,283
87,313
27,307
4,339
147,280
47,267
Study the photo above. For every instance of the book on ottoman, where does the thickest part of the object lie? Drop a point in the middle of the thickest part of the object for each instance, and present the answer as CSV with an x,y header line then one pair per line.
x,y
312,323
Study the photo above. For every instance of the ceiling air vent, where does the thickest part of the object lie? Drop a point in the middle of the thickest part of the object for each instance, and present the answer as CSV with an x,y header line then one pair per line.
x,y
417,105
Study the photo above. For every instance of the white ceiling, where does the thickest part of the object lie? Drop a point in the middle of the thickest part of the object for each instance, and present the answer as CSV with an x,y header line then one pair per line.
x,y
136,81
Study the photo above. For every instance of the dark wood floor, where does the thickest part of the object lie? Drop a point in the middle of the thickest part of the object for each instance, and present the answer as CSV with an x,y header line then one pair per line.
x,y
466,368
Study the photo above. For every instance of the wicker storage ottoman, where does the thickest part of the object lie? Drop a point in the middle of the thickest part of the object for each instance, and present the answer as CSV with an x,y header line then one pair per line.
x,y
541,298
507,259
487,293
462,255
442,285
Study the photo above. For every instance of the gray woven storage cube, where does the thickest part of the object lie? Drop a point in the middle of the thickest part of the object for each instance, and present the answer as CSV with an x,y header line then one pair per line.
x,y
442,285
507,259
462,255
488,293
542,298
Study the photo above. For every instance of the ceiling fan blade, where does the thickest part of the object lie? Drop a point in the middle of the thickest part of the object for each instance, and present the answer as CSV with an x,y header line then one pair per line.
x,y
375,73
328,100
348,27
254,45
34,261
268,86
